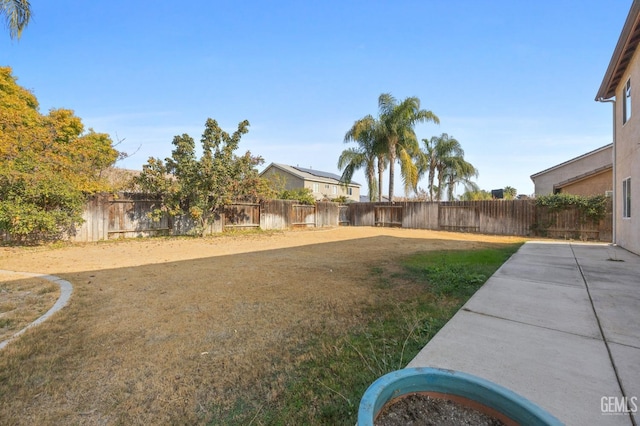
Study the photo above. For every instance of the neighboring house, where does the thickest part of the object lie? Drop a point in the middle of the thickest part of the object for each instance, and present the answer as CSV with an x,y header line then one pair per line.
x,y
620,85
588,174
323,185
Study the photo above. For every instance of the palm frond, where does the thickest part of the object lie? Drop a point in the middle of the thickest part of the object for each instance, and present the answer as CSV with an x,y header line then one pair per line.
x,y
17,14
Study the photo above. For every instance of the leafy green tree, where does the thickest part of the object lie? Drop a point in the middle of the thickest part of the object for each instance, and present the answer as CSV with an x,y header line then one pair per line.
x,y
397,121
201,187
476,195
48,164
17,14
302,195
510,193
370,151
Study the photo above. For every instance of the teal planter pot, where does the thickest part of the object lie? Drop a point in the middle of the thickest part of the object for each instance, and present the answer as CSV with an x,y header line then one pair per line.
x,y
461,387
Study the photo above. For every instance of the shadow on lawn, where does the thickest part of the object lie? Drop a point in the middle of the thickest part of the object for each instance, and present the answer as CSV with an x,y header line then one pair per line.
x,y
211,339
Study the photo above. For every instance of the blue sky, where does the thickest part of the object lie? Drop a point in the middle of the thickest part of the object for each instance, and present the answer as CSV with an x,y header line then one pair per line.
x,y
514,81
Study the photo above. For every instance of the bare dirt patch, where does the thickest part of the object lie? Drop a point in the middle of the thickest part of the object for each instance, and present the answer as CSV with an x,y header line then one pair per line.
x,y
158,331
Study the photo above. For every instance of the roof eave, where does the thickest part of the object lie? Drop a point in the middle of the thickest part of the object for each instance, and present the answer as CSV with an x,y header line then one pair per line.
x,y
572,160
626,46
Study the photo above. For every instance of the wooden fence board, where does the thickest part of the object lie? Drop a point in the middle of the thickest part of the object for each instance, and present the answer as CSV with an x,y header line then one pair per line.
x,y
242,215
108,217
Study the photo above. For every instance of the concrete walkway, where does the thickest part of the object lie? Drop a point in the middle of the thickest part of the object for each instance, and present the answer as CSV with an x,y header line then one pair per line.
x,y
559,323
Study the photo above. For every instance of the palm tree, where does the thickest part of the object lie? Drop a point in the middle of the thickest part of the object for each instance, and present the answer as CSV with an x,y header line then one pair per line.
x,y
436,159
458,170
510,192
17,13
426,162
364,156
396,130
443,158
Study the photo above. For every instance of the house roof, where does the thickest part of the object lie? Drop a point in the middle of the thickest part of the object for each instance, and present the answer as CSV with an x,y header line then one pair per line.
x,y
583,176
580,157
622,54
310,174
318,173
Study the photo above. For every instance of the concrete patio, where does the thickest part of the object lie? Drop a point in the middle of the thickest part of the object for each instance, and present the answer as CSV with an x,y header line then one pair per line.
x,y
559,323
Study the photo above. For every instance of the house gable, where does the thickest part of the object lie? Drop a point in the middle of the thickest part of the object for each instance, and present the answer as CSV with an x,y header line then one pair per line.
x,y
323,185
592,170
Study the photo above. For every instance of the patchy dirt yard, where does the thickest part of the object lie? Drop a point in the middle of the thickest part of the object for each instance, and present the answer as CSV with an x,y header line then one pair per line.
x,y
158,331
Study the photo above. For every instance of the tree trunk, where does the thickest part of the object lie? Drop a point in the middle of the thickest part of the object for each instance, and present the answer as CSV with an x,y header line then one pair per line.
x,y
371,178
439,191
380,177
392,163
430,185
450,187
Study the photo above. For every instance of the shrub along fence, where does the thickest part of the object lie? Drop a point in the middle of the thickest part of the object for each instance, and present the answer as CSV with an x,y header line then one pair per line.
x,y
128,216
499,217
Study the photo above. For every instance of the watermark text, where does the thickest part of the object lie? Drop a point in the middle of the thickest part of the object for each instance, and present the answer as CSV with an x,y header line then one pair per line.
x,y
619,404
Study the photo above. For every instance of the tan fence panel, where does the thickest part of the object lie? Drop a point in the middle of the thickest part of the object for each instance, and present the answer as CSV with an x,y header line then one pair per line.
x,y
108,217
242,215
361,214
275,214
327,214
506,217
344,218
129,218
388,215
303,215
95,225
459,216
420,215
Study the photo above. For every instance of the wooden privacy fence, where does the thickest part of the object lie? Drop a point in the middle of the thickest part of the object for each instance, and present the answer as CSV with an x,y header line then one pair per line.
x,y
107,217
388,215
242,215
129,216
499,217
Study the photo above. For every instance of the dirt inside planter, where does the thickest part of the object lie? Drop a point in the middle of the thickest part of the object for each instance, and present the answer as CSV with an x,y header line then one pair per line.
x,y
425,410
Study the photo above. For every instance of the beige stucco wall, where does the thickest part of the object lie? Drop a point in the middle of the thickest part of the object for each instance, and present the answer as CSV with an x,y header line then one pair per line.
x,y
545,181
290,181
594,185
325,190
627,157
331,191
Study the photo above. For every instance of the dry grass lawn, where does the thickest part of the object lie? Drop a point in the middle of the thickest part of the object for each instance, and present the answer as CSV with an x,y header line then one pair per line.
x,y
22,301
160,331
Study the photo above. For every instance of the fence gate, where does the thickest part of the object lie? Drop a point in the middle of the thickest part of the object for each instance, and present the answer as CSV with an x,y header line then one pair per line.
x,y
242,215
128,218
388,215
461,218
303,215
343,216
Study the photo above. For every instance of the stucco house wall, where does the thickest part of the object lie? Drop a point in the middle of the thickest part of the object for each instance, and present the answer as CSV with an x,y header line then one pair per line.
x,y
624,67
587,174
290,181
323,185
598,184
628,159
